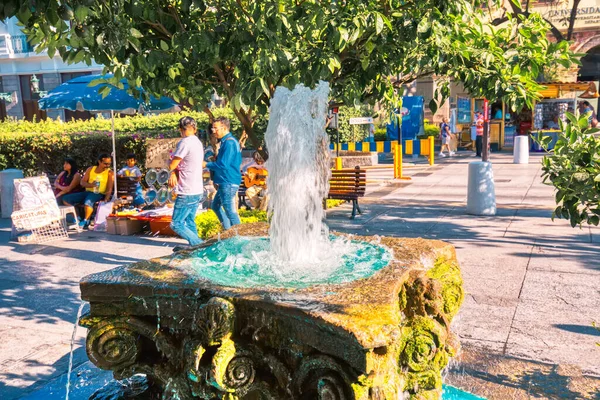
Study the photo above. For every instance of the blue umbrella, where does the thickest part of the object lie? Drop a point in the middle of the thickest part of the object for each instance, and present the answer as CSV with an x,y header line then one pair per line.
x,y
78,95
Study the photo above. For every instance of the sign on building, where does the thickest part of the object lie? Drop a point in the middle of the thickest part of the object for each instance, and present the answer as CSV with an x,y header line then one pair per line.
x,y
361,121
158,152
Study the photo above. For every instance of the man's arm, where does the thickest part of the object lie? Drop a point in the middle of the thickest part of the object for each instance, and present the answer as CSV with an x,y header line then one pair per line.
x,y
225,156
85,181
109,185
173,167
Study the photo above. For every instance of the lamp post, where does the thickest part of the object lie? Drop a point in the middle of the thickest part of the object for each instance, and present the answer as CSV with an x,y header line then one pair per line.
x,y
7,97
35,85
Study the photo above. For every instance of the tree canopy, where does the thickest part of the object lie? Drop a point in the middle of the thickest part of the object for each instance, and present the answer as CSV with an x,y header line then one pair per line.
x,y
243,49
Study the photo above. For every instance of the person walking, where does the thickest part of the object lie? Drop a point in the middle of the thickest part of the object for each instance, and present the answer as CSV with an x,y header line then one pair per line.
x,y
479,140
446,136
226,174
186,179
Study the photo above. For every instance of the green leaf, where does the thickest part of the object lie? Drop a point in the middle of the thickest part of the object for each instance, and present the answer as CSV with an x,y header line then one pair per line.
x,y
597,178
164,45
378,23
265,87
81,12
135,33
433,106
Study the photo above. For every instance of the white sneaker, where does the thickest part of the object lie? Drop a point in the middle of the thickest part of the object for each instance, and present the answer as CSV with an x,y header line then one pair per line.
x,y
452,153
442,154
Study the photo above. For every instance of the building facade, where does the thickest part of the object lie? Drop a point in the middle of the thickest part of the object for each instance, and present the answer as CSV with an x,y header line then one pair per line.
x,y
585,38
20,64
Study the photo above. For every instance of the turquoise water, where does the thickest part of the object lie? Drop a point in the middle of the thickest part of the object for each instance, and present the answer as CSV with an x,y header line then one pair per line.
x,y
248,262
452,393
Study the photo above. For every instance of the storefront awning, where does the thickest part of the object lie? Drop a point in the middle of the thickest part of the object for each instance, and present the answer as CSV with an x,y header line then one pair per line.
x,y
554,90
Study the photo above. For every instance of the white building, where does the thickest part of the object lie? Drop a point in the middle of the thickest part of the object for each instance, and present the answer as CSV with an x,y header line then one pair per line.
x,y
19,63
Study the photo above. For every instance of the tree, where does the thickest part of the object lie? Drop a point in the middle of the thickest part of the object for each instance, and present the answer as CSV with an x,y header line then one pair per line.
x,y
243,49
574,170
516,9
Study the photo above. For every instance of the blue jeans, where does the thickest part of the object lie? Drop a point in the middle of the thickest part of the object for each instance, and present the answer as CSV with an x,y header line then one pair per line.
x,y
224,205
86,198
184,215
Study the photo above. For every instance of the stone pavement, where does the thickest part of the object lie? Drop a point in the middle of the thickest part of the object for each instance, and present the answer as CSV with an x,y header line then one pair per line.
x,y
533,285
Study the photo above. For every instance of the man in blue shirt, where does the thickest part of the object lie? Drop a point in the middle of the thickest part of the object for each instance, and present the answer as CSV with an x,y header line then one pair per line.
x,y
226,174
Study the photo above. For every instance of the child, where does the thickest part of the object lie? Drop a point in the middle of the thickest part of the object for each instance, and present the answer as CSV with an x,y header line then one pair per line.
x,y
132,172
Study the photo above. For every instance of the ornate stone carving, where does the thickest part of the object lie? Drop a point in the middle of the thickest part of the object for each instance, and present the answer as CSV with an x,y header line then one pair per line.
x,y
215,320
372,339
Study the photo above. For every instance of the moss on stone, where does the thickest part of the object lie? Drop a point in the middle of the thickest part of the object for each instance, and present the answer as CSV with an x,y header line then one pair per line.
x,y
361,387
424,385
448,274
220,361
423,345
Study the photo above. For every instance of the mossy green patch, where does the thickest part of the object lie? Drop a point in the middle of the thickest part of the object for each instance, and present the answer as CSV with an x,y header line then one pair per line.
x,y
423,345
448,274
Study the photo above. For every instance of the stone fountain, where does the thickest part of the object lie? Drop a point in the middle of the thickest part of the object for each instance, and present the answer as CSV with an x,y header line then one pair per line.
x,y
198,328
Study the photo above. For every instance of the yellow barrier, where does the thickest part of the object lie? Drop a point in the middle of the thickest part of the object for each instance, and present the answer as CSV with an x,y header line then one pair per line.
x,y
338,163
398,170
351,146
431,150
379,147
409,146
424,147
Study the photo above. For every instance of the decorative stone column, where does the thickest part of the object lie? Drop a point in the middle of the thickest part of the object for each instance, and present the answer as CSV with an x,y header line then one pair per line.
x,y
376,338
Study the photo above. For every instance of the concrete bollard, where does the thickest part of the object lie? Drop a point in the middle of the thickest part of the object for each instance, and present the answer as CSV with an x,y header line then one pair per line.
x,y
7,189
521,150
481,194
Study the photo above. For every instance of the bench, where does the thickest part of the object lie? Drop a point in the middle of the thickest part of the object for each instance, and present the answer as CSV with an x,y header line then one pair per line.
x,y
242,195
349,185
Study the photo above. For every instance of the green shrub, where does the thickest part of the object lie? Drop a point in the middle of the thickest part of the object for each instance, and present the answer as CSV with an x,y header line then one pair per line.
x,y
332,203
431,130
380,134
350,133
208,224
41,147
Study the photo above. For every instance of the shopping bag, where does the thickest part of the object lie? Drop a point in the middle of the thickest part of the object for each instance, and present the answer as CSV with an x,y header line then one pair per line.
x,y
103,211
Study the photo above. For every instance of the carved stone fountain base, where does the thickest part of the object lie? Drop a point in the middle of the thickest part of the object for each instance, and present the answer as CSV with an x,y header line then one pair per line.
x,y
372,338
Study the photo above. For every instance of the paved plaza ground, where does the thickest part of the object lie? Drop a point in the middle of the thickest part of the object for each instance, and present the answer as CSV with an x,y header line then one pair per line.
x,y
533,285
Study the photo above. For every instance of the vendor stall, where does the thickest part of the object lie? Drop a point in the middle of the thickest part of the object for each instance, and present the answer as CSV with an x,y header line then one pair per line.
x,y
557,98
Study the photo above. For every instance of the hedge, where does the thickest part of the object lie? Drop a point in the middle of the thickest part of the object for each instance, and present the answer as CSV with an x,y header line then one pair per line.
x,y
41,147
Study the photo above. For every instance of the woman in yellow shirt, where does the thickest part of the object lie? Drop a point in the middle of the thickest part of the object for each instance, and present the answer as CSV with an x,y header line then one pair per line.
x,y
98,184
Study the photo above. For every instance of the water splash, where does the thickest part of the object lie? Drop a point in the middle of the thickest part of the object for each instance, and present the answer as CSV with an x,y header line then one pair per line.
x,y
79,311
249,262
157,317
298,167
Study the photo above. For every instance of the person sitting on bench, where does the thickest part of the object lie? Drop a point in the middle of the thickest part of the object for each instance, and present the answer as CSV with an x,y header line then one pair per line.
x,y
67,181
255,180
98,184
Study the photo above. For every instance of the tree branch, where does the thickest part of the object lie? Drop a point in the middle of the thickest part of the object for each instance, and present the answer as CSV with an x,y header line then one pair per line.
x,y
159,27
572,19
246,13
176,16
211,116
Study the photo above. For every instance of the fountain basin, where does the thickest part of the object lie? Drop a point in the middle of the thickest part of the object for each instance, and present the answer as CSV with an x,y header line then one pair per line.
x,y
371,338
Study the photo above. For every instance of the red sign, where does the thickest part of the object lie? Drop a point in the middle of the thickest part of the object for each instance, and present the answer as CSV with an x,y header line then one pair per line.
x,y
334,110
